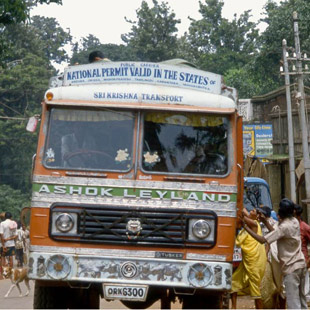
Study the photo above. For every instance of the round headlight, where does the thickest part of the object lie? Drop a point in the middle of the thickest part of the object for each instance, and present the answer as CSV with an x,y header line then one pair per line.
x,y
64,222
201,229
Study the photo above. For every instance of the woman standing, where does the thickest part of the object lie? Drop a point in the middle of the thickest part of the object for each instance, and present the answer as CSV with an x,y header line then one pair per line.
x,y
247,278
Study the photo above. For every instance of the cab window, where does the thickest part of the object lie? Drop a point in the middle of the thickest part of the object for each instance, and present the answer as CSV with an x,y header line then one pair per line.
x,y
187,143
89,140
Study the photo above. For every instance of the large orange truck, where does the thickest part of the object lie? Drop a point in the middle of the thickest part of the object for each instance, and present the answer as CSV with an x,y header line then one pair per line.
x,y
137,187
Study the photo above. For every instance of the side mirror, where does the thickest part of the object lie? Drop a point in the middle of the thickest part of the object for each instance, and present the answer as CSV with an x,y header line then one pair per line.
x,y
32,123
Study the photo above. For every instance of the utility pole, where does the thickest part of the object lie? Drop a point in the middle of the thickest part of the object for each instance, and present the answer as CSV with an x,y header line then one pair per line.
x,y
301,98
289,125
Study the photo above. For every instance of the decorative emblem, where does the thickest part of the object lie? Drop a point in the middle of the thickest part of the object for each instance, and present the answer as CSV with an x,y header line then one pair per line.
x,y
50,155
217,275
200,275
129,270
41,270
133,228
151,159
122,155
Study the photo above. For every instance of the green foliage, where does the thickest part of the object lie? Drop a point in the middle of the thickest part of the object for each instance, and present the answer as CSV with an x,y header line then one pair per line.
x,y
113,52
53,38
13,11
23,81
245,82
13,200
17,11
219,44
242,81
279,20
26,69
17,147
153,36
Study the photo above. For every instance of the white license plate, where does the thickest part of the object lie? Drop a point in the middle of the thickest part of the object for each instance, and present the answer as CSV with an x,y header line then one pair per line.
x,y
237,254
125,292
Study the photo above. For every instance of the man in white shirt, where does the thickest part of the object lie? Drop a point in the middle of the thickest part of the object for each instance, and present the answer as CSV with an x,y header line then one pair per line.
x,y
8,233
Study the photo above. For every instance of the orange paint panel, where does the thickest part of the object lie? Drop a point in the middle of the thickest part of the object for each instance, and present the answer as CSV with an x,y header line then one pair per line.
x,y
39,225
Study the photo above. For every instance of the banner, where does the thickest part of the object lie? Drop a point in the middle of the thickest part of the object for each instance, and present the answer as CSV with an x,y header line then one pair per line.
x,y
257,140
142,72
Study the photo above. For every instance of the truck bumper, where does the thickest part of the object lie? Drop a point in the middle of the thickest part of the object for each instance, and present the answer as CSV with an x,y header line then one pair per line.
x,y
130,270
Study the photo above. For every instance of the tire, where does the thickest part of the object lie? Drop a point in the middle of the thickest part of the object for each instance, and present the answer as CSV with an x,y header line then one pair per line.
x,y
202,301
85,298
46,297
52,297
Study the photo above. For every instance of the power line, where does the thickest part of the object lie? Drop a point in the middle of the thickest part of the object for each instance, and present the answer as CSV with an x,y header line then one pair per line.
x,y
10,108
14,118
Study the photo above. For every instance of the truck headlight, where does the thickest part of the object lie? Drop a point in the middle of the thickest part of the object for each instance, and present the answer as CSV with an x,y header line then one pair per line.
x,y
201,230
64,222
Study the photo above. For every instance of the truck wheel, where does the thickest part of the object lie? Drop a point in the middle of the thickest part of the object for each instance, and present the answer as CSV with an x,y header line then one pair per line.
x,y
200,301
85,298
46,297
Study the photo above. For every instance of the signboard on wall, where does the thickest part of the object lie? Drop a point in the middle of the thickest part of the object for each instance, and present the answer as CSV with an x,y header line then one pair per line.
x,y
257,140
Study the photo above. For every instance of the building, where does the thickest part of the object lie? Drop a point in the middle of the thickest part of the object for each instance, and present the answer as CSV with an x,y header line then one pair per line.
x,y
271,108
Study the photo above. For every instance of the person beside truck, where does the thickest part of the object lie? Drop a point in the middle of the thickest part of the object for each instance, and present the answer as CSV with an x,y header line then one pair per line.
x,y
248,276
287,235
8,234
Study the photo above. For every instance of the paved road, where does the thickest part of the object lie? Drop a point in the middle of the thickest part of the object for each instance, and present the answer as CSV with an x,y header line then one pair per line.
x,y
16,302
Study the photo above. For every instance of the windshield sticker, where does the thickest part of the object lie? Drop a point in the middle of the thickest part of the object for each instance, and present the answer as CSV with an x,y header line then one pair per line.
x,y
151,159
122,155
50,155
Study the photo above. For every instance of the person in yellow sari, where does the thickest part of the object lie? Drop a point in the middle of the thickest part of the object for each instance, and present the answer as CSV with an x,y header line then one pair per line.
x,y
247,278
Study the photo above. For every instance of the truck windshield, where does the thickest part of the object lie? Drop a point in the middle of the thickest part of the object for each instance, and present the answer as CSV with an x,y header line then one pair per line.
x,y
256,195
189,143
89,140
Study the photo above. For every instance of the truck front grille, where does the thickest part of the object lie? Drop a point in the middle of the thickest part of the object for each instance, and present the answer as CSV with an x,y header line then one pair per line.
x,y
133,225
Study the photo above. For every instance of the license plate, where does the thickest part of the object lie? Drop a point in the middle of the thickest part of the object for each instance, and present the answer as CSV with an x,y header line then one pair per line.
x,y
237,254
125,292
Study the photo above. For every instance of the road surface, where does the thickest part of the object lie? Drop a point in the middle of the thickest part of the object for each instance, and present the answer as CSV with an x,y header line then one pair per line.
x,y
16,302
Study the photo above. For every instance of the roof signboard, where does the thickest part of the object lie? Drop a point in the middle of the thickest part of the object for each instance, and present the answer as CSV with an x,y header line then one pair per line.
x,y
142,72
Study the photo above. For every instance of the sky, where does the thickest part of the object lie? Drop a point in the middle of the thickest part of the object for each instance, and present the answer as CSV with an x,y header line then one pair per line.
x,y
105,19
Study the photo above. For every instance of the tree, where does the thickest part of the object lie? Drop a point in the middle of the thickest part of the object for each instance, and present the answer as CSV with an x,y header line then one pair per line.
x,y
218,44
279,20
22,87
12,200
26,70
243,81
17,11
153,36
91,43
52,36
23,80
